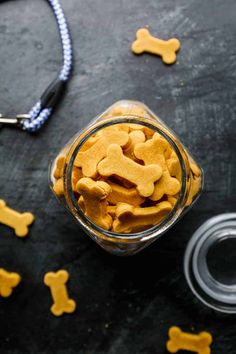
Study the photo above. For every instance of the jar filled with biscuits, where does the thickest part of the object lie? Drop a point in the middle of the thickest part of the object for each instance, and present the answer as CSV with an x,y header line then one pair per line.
x,y
126,178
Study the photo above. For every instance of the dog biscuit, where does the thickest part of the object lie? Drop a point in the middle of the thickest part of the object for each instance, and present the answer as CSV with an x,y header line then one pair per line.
x,y
58,172
194,188
179,340
111,209
172,200
17,221
136,137
152,152
94,201
56,281
143,177
174,166
75,177
90,158
120,194
58,187
195,169
145,42
89,143
135,219
8,281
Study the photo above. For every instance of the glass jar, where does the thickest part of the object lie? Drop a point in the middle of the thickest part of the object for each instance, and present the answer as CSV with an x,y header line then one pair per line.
x,y
128,115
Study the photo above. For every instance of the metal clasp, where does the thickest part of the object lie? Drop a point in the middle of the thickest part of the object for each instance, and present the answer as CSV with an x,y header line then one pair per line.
x,y
16,122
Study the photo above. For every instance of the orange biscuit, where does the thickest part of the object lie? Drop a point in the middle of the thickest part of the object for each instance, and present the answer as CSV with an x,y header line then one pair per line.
x,y
89,159
152,152
136,137
194,188
195,169
143,177
135,219
120,194
17,221
172,200
94,203
58,187
174,166
198,343
56,281
75,177
58,172
89,143
8,281
145,42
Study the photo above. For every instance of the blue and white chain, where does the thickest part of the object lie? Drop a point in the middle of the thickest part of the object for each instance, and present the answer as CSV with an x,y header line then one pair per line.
x,y
44,107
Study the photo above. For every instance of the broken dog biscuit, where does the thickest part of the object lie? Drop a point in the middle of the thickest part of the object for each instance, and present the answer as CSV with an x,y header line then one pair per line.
x,y
145,42
152,152
179,340
94,201
120,194
56,281
8,281
89,159
143,177
17,221
134,219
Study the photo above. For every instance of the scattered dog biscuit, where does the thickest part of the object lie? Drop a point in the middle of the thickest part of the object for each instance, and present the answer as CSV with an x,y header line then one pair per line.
x,y
143,177
94,195
130,219
17,221
89,159
8,281
179,340
145,42
56,281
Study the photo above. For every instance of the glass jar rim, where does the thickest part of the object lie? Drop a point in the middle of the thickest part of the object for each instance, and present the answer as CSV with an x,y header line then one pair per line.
x,y
168,220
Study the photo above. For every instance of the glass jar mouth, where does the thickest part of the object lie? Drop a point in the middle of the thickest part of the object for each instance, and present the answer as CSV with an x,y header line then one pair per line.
x,y
210,287
168,220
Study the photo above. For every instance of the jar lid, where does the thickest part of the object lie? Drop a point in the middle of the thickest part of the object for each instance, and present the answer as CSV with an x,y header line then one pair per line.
x,y
210,263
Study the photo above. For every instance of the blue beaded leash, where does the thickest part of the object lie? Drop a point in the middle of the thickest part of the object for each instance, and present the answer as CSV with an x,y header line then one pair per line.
x,y
42,110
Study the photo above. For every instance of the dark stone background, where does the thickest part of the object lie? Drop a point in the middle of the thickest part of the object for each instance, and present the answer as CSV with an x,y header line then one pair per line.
x,y
125,305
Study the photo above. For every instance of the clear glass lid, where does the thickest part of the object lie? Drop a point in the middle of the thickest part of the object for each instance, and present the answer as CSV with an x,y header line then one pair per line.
x,y
210,263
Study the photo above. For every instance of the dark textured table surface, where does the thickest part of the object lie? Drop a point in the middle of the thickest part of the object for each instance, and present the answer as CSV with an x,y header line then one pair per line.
x,y
125,305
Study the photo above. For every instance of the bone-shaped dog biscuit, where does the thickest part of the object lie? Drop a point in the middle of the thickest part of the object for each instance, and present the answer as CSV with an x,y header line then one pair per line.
x,y
179,340
131,219
17,221
136,137
56,281
145,42
143,177
120,194
152,152
89,159
94,195
8,281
